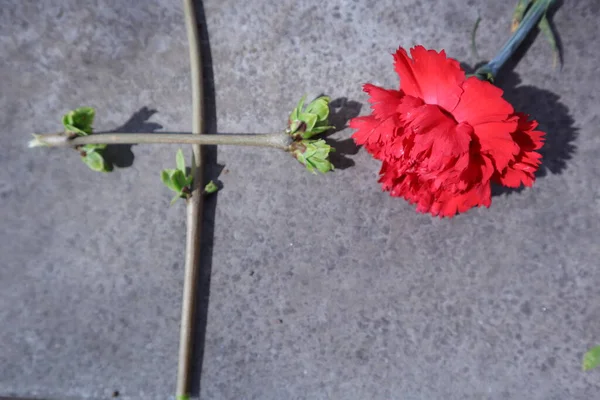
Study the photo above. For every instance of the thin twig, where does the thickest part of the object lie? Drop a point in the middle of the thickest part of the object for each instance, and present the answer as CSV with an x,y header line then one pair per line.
x,y
194,212
277,140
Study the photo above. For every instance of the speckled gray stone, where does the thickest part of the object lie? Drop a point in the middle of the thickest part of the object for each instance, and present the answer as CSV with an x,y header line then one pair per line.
x,y
321,287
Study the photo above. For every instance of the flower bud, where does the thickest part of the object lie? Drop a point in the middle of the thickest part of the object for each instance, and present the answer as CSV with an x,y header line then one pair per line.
x,y
306,122
313,154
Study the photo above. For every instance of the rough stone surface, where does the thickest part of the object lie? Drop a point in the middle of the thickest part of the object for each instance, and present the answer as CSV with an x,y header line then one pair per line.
x,y
321,287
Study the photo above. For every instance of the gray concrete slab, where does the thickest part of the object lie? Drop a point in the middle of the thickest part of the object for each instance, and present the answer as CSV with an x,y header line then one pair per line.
x,y
321,287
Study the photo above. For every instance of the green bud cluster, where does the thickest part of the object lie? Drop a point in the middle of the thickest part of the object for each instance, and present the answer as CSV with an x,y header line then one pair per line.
x,y
304,123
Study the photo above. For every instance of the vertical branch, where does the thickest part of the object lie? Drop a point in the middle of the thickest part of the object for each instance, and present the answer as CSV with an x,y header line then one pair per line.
x,y
194,212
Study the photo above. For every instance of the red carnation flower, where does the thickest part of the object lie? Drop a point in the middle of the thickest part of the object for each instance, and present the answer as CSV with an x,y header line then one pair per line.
x,y
443,138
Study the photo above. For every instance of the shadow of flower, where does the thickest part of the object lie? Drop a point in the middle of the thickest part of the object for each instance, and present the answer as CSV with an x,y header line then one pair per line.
x,y
553,118
342,110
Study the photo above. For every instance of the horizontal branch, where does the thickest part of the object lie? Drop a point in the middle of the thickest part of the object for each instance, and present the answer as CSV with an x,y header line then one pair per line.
x,y
276,140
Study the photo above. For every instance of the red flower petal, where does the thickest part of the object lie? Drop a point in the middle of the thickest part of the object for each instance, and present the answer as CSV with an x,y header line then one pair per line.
x,y
496,140
481,102
522,169
374,133
438,132
364,129
430,75
525,136
407,105
383,102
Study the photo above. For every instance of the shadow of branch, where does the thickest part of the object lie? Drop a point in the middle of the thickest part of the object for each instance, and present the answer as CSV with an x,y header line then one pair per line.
x,y
120,155
211,171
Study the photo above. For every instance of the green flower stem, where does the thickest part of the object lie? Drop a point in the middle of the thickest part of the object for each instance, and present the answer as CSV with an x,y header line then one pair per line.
x,y
533,15
276,140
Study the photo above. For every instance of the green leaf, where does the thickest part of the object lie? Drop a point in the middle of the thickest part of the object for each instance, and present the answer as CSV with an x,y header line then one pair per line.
x,y
473,36
320,107
89,148
211,187
324,166
165,178
310,120
188,180
83,118
67,119
519,13
320,129
95,161
314,155
174,199
298,109
591,359
546,29
79,121
74,129
168,179
178,179
180,159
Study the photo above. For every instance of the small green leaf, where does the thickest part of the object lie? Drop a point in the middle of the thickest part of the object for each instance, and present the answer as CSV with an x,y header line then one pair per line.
x,y
188,180
67,119
174,199
308,122
519,13
211,187
88,148
325,167
75,130
95,161
591,359
296,113
309,119
79,121
320,107
180,159
473,38
168,180
179,181
320,129
546,29
314,155
165,178
83,118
